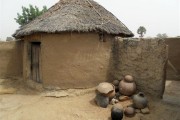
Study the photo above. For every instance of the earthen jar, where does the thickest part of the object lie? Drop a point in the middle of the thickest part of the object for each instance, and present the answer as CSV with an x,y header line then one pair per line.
x,y
101,100
112,93
127,86
106,89
129,111
115,82
140,100
117,113
118,105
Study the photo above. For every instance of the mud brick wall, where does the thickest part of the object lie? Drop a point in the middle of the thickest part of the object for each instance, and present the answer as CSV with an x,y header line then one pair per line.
x,y
10,59
144,59
70,60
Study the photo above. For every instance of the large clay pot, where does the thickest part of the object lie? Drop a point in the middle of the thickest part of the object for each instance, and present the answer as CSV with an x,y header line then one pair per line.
x,y
116,113
106,89
101,100
127,86
140,100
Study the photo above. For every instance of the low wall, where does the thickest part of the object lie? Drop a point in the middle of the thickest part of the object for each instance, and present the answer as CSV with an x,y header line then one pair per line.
x,y
10,59
144,59
173,68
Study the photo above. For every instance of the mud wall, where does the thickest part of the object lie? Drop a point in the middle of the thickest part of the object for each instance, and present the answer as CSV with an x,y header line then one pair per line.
x,y
71,60
173,68
144,59
11,59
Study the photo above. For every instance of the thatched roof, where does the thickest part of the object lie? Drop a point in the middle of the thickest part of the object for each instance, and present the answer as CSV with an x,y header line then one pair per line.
x,y
75,16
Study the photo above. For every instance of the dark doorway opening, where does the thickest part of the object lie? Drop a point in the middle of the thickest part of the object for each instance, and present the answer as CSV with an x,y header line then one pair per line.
x,y
35,61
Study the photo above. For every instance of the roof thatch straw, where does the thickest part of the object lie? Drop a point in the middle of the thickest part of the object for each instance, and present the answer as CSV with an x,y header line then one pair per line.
x,y
75,16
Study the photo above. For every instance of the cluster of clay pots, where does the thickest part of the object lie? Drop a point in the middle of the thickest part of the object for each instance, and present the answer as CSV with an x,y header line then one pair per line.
x,y
116,92
139,103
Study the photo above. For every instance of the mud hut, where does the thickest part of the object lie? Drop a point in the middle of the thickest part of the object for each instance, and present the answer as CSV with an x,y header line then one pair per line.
x,y
69,45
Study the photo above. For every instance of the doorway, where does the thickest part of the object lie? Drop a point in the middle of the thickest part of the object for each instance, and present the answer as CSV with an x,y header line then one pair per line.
x,y
35,61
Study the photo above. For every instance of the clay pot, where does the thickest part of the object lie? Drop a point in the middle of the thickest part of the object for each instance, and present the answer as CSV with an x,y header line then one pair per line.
x,y
140,100
127,86
129,111
115,82
106,89
111,94
116,113
118,105
102,100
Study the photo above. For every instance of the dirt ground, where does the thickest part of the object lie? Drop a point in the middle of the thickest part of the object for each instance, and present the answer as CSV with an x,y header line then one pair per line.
x,y
24,103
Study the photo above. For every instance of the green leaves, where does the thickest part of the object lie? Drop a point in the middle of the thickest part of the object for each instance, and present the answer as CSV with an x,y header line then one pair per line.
x,y
29,14
141,30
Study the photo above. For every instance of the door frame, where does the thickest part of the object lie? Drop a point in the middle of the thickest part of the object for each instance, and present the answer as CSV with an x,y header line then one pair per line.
x,y
30,61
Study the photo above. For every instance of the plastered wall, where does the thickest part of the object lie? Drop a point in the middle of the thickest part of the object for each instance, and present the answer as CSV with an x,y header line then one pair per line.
x,y
144,59
71,60
11,59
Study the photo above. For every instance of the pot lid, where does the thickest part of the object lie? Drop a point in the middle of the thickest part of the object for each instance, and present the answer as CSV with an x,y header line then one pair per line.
x,y
129,78
105,87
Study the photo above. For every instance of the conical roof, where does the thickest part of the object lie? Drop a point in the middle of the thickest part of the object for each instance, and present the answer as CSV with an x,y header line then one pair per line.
x,y
75,16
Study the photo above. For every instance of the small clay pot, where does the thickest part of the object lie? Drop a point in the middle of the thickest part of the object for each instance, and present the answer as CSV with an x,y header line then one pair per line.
x,y
102,100
127,86
129,111
116,113
140,100
118,105
115,82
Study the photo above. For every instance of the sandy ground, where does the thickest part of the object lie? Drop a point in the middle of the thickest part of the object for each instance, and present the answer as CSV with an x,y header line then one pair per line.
x,y
28,104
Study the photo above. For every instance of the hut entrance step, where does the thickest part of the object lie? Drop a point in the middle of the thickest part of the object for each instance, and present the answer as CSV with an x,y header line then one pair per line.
x,y
35,61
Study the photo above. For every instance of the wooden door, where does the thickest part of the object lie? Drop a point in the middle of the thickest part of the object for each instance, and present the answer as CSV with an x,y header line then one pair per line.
x,y
35,61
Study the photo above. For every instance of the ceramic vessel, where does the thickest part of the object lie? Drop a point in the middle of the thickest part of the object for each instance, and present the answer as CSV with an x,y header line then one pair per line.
x,y
118,105
115,82
129,111
102,100
111,94
127,86
140,100
106,89
116,113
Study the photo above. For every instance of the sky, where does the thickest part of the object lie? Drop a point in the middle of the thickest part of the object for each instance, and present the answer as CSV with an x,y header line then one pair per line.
x,y
157,16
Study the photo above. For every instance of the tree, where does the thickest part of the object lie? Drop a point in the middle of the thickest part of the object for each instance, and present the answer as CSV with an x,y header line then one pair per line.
x,y
9,39
164,35
29,14
141,31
